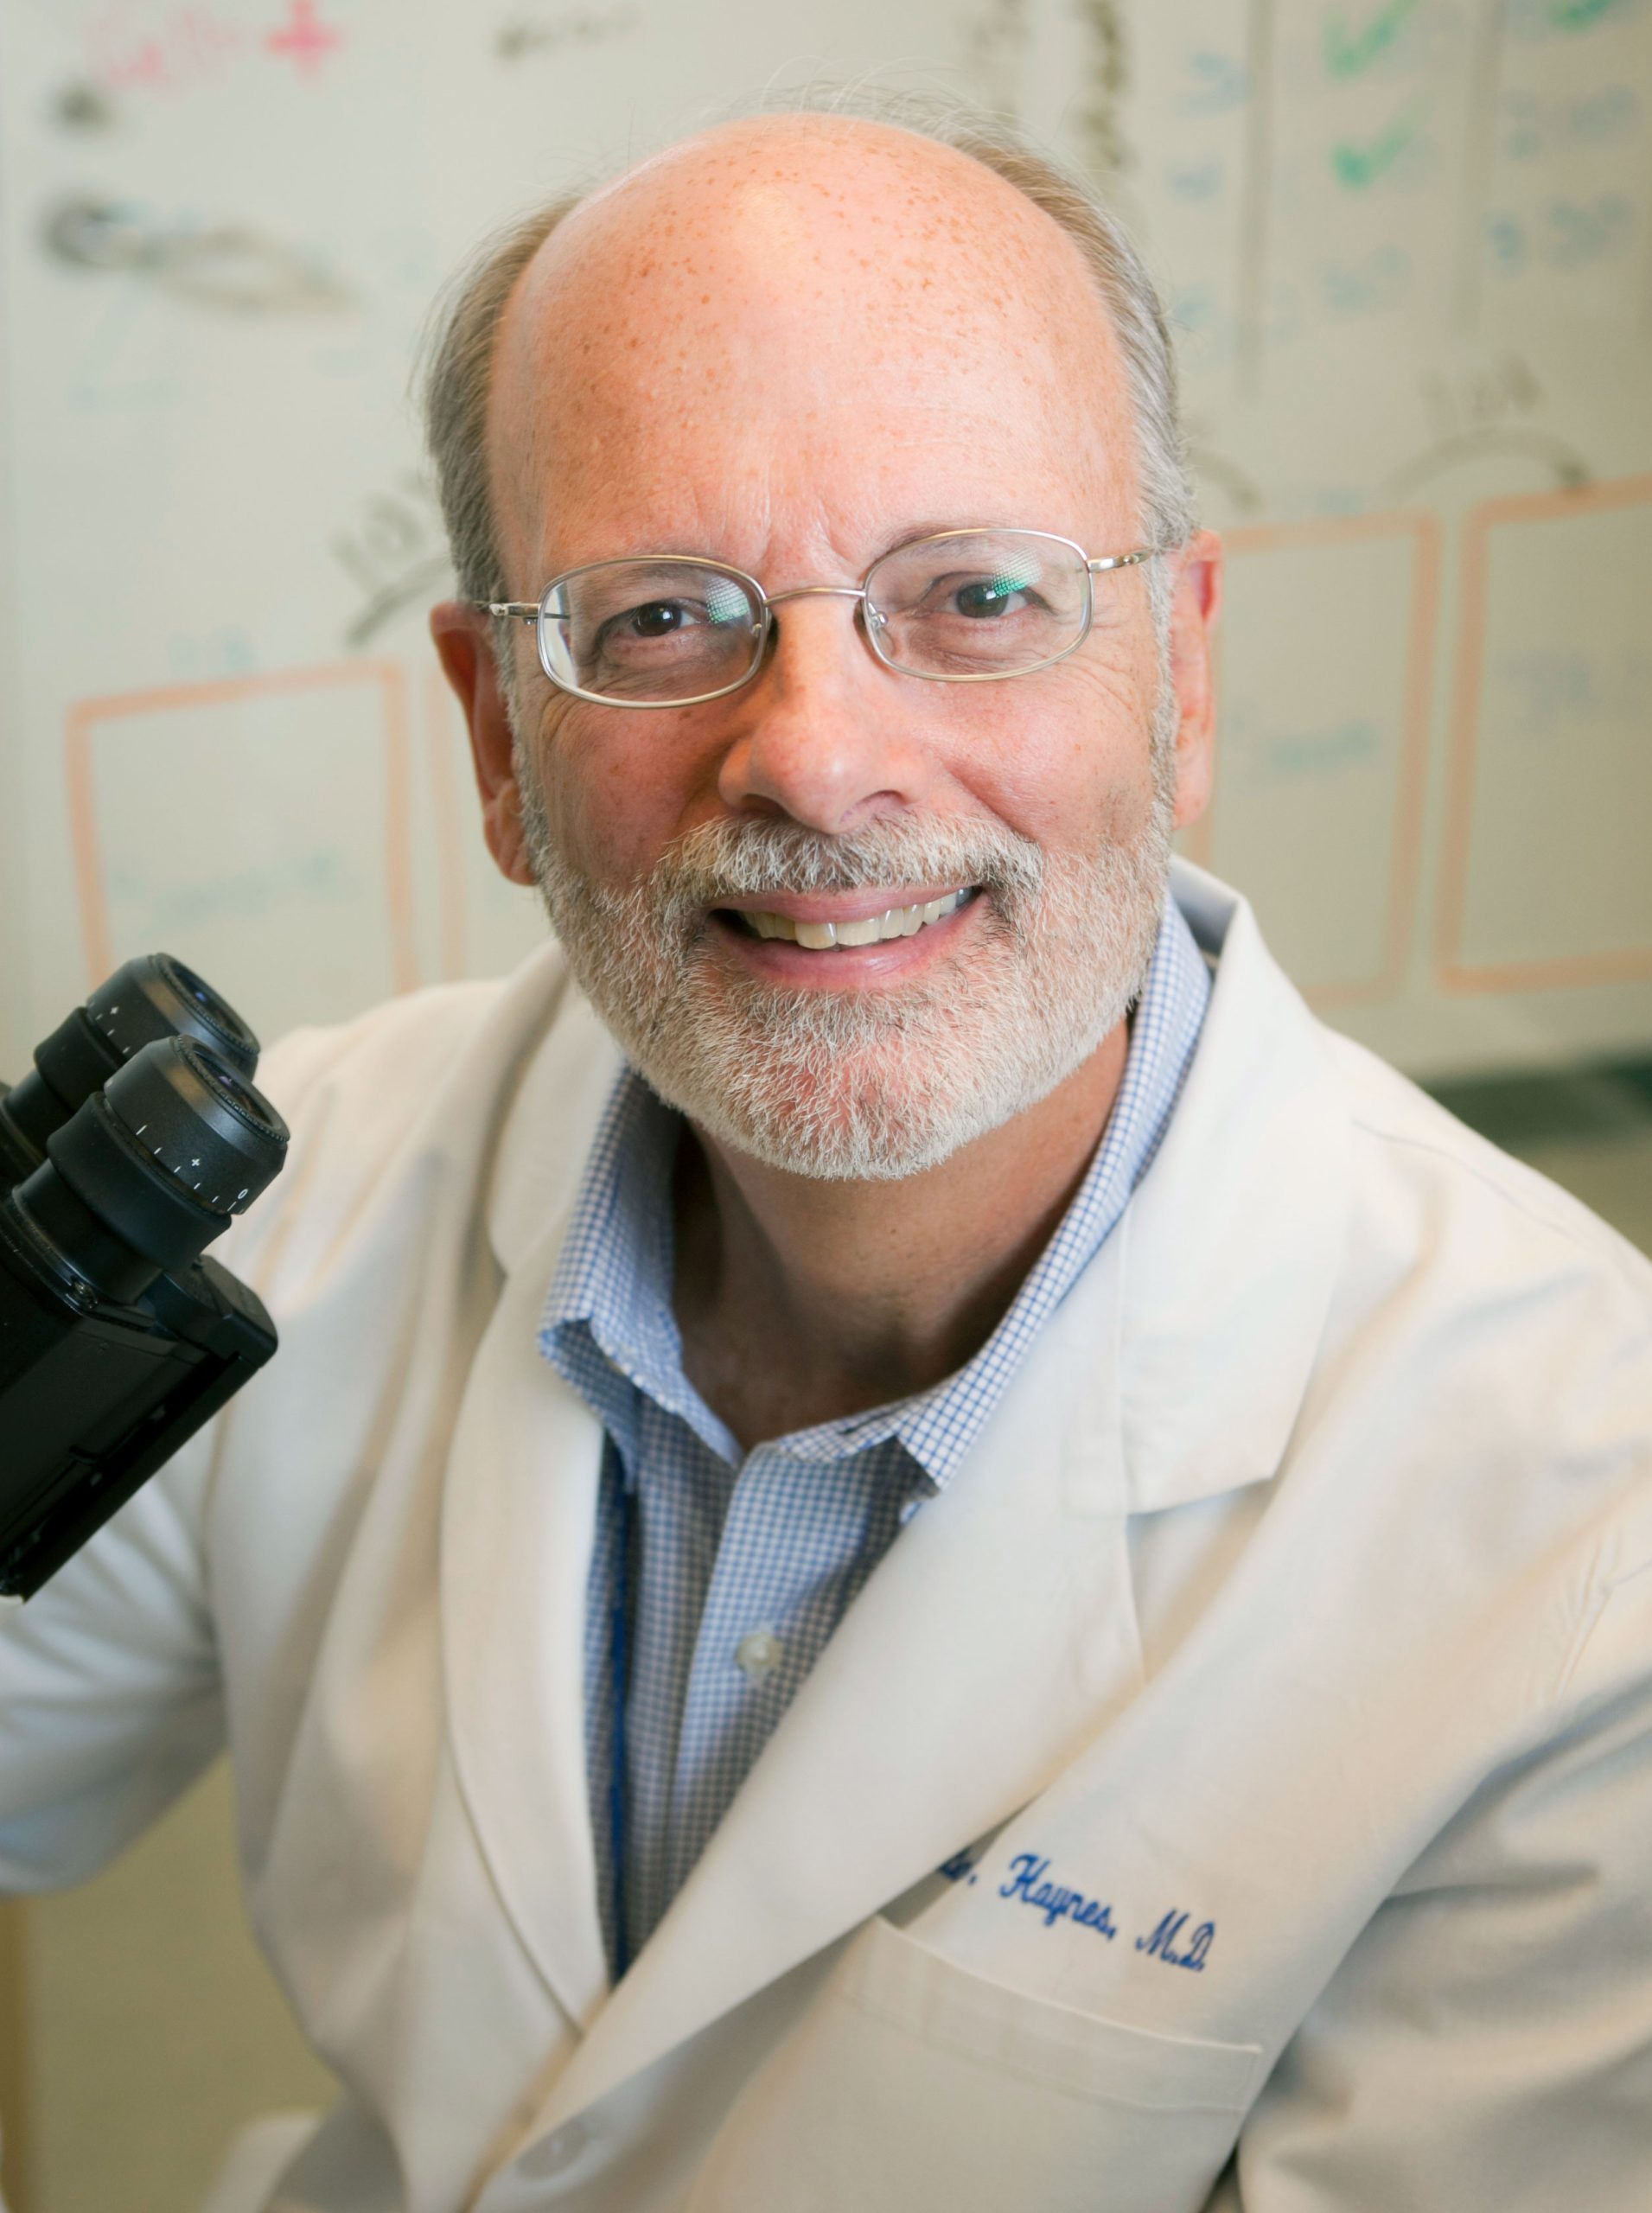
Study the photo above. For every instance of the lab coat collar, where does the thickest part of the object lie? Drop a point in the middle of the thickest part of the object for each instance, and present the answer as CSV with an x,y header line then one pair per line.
x,y
999,1635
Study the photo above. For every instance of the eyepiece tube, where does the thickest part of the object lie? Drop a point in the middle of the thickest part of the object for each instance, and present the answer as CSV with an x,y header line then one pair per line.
x,y
152,997
145,1173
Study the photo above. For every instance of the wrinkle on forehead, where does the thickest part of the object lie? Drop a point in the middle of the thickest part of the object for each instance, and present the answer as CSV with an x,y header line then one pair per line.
x,y
784,272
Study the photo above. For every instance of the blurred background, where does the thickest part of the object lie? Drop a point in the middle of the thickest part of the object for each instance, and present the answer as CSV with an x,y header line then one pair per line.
x,y
1407,249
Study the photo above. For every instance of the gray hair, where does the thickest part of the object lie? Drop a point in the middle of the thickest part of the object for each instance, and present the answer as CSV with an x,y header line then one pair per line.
x,y
459,357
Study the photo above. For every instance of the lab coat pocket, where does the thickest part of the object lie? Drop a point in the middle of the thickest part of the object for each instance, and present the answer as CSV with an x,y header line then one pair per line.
x,y
913,2086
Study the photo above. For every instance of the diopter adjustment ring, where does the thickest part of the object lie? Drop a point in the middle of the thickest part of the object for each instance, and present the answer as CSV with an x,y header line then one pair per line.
x,y
177,1143
157,996
152,997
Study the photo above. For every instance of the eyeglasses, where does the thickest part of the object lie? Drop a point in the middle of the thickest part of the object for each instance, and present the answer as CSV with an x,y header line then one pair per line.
x,y
960,607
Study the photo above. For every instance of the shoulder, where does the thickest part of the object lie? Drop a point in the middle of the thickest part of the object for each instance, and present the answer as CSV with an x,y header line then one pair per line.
x,y
1515,1328
409,1093
1406,1143
1362,1270
392,1057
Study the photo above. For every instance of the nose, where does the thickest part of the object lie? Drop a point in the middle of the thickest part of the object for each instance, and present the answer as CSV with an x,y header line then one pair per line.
x,y
822,734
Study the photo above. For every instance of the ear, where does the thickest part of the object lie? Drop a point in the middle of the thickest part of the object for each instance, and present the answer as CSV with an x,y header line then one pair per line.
x,y
464,644
1194,610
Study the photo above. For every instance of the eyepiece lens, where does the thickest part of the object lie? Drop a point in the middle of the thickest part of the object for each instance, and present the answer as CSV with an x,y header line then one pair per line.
x,y
244,1099
223,1027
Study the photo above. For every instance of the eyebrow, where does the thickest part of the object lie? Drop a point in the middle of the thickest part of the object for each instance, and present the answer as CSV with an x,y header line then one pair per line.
x,y
922,528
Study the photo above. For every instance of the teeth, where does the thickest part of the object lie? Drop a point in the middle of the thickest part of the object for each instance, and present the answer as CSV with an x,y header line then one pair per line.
x,y
868,931
873,930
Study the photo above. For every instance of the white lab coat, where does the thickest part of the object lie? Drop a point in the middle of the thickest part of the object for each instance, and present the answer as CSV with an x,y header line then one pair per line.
x,y
1291,1621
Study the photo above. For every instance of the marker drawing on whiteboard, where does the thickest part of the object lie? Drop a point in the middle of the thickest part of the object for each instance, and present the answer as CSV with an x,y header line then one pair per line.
x,y
1377,283
1216,84
1099,115
1256,197
1261,756
317,876
1350,50
1226,476
998,37
397,553
82,106
1479,398
132,48
1564,233
1566,467
528,35
303,40
1580,15
225,266
1486,78
1360,162
1535,124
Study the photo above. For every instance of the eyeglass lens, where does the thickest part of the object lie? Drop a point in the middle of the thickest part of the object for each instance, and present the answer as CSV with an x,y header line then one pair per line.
x,y
991,602
649,631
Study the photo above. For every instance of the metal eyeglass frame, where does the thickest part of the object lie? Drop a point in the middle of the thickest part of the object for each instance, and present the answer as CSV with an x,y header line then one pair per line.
x,y
520,610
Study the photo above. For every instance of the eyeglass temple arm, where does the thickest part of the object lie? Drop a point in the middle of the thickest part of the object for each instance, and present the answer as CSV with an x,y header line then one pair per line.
x,y
518,608
1127,560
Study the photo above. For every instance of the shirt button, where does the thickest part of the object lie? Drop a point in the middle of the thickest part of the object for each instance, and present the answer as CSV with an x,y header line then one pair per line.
x,y
557,2154
758,1652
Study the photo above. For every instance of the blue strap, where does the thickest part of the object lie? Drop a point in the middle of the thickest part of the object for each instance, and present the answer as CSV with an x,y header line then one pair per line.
x,y
619,1629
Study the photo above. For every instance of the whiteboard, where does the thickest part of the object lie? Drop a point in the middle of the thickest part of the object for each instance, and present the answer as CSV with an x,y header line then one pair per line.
x,y
1407,249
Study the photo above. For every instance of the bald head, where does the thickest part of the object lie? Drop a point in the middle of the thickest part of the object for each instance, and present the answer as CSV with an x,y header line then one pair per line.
x,y
784,281
785,273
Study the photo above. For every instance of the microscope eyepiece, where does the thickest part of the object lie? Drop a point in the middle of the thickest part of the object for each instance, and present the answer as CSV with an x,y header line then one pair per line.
x,y
146,1174
151,998
155,996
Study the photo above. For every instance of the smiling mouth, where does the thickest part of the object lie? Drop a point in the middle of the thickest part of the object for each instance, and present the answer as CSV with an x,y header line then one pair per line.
x,y
869,929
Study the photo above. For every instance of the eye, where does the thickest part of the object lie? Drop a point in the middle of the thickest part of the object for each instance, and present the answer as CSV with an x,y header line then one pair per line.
x,y
657,618
976,595
986,597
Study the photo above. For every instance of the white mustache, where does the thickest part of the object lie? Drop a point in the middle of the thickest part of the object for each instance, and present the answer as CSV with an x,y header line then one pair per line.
x,y
721,861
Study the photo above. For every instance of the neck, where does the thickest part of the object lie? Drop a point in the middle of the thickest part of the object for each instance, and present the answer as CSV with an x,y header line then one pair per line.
x,y
800,1301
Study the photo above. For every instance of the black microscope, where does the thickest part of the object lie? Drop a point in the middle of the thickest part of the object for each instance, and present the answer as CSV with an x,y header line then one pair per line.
x,y
135,1139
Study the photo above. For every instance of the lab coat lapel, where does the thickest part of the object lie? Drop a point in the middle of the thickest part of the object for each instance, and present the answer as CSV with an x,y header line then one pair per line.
x,y
993,1639
518,1515
1236,1235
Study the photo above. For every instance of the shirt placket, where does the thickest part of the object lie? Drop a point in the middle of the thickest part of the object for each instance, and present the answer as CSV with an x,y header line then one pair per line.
x,y
793,1553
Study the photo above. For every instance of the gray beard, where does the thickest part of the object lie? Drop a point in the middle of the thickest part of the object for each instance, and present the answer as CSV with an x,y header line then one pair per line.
x,y
876,1084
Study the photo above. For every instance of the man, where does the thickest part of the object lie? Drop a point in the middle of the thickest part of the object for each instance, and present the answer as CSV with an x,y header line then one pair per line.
x,y
912,1548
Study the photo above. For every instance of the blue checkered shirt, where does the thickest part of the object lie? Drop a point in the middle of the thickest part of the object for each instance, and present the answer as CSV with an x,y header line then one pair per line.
x,y
716,1576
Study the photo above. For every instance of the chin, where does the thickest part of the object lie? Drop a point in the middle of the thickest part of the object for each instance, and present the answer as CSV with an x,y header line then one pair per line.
x,y
863,1120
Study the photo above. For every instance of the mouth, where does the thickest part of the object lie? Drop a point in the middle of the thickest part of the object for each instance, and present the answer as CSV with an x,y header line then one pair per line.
x,y
828,935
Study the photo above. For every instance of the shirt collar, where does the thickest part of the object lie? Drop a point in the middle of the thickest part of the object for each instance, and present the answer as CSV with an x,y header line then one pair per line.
x,y
608,1324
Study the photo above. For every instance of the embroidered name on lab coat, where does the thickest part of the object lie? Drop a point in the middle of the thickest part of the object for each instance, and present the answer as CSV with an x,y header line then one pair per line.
x,y
1028,1886
1165,1940
1172,1942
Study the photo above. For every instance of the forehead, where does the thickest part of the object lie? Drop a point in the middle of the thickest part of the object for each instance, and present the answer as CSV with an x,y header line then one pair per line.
x,y
804,313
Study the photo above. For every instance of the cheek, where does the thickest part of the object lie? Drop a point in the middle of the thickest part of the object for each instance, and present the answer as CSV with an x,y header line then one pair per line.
x,y
617,792
1071,766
